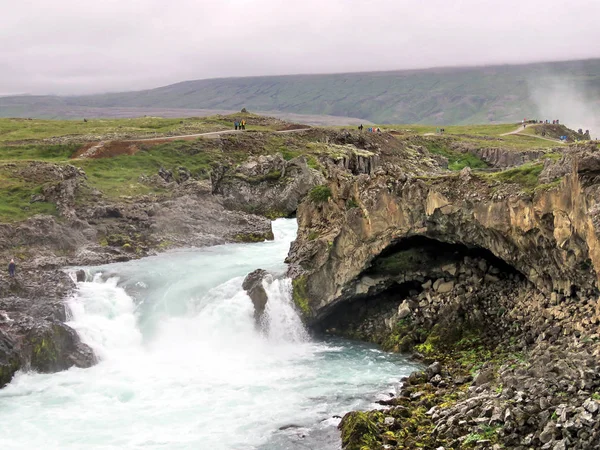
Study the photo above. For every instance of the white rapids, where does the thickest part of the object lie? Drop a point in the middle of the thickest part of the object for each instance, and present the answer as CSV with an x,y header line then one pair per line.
x,y
182,365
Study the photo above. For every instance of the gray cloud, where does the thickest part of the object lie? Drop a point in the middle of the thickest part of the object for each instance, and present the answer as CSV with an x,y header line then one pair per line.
x,y
79,46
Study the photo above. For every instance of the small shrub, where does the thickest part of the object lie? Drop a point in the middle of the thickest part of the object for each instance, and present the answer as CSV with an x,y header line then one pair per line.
x,y
351,203
320,194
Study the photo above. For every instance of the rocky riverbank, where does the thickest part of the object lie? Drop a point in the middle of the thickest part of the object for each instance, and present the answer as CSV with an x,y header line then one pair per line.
x,y
509,368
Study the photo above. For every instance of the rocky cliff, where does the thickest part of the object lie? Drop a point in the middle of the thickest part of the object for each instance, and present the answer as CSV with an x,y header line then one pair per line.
x,y
550,235
492,277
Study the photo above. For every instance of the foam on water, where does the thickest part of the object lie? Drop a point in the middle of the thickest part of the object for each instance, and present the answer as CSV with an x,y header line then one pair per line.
x,y
182,365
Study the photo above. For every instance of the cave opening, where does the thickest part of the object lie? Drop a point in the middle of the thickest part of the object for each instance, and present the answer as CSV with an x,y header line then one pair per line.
x,y
423,253
362,306
405,269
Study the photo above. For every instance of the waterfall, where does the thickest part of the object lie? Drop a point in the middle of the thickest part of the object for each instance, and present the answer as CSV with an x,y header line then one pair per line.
x,y
281,321
183,365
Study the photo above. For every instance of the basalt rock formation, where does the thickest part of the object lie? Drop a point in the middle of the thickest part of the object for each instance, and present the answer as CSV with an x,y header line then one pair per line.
x,y
550,235
267,185
495,281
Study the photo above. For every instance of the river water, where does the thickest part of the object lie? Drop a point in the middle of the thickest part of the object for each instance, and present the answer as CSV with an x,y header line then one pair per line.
x,y
182,365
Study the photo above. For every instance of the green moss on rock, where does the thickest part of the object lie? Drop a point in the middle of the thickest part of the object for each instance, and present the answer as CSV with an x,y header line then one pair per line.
x,y
360,430
44,353
254,237
8,370
300,296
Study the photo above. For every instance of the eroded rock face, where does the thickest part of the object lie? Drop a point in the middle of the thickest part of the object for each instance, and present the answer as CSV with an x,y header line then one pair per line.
x,y
551,237
535,384
497,156
267,185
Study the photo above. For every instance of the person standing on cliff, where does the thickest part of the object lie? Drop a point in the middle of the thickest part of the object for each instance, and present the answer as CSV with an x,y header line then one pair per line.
x,y
12,267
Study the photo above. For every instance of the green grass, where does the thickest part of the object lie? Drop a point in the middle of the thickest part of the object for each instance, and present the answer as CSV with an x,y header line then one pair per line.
x,y
456,160
121,175
21,129
38,152
526,176
470,130
486,433
527,142
15,198
12,130
320,194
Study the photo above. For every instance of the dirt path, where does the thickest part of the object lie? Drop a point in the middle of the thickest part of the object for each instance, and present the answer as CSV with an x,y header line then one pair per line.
x,y
105,149
519,132
209,135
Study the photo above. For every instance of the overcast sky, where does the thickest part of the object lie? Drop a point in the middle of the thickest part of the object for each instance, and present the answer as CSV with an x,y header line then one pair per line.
x,y
88,46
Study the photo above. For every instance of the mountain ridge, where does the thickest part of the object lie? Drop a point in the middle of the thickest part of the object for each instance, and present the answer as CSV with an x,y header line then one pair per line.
x,y
442,95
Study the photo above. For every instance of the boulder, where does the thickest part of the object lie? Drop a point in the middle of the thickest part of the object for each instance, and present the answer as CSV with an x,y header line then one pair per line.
x,y
444,288
403,310
253,285
484,376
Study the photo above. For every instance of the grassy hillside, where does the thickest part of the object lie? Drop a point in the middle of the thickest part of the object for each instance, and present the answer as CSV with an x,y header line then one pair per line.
x,y
64,131
24,144
434,96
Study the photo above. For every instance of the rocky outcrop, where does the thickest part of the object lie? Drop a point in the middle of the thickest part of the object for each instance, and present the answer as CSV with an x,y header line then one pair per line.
x,y
267,185
506,157
253,285
550,236
32,329
496,155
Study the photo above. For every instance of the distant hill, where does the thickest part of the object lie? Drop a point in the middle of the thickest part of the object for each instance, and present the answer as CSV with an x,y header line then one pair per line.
x,y
431,96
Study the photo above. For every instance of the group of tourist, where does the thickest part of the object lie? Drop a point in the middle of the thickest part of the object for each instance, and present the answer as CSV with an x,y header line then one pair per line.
x,y
240,124
370,129
554,122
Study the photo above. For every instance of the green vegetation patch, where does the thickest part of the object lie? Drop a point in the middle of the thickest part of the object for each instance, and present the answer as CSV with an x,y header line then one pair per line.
x,y
526,175
37,152
456,160
16,196
485,433
360,430
300,295
122,175
320,194
97,129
